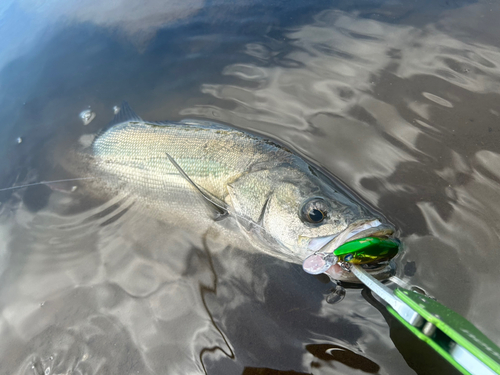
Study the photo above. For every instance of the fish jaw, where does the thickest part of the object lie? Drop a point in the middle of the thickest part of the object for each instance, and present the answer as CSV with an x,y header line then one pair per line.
x,y
338,273
326,246
359,229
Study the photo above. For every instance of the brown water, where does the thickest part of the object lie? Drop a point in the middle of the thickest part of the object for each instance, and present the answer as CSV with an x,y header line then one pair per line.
x,y
399,100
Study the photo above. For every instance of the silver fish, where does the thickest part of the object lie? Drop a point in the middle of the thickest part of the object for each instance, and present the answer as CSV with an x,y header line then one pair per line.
x,y
197,174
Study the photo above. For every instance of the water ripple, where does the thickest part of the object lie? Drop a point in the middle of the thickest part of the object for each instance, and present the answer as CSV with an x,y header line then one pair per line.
x,y
404,113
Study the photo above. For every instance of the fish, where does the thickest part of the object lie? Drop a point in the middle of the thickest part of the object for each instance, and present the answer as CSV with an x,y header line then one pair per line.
x,y
200,174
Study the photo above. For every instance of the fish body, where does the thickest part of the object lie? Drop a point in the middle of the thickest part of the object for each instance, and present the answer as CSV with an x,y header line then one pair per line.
x,y
197,173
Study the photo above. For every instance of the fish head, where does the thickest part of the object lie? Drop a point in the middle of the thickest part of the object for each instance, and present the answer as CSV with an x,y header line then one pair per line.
x,y
302,210
305,215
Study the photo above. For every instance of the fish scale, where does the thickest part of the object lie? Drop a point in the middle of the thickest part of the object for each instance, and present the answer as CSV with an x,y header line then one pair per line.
x,y
212,158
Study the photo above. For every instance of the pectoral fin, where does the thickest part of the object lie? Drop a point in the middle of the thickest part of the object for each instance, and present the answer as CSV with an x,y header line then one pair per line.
x,y
214,203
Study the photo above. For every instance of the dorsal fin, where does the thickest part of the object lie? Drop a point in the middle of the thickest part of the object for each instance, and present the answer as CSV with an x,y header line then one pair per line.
x,y
199,124
204,124
124,114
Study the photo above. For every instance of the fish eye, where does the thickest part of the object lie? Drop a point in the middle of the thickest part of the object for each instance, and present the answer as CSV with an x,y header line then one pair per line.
x,y
314,210
316,216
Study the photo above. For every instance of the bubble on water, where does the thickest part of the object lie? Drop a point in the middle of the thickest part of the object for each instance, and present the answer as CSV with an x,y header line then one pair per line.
x,y
87,116
336,295
116,109
19,140
47,371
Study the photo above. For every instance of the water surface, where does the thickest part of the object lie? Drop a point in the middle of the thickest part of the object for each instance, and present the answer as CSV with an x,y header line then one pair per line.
x,y
398,100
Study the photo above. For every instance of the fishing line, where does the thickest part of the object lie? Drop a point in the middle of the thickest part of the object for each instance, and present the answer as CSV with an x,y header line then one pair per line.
x,y
47,182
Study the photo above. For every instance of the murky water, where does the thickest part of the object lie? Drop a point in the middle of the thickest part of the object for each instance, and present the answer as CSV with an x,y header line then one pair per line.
x,y
399,100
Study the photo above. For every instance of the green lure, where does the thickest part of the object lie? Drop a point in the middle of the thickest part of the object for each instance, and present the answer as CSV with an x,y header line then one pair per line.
x,y
367,250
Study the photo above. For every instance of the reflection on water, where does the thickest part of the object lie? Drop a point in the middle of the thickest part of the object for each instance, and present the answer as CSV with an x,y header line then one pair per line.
x,y
400,104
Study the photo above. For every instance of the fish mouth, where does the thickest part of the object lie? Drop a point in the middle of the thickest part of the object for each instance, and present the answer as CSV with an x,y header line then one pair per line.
x,y
361,229
357,230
